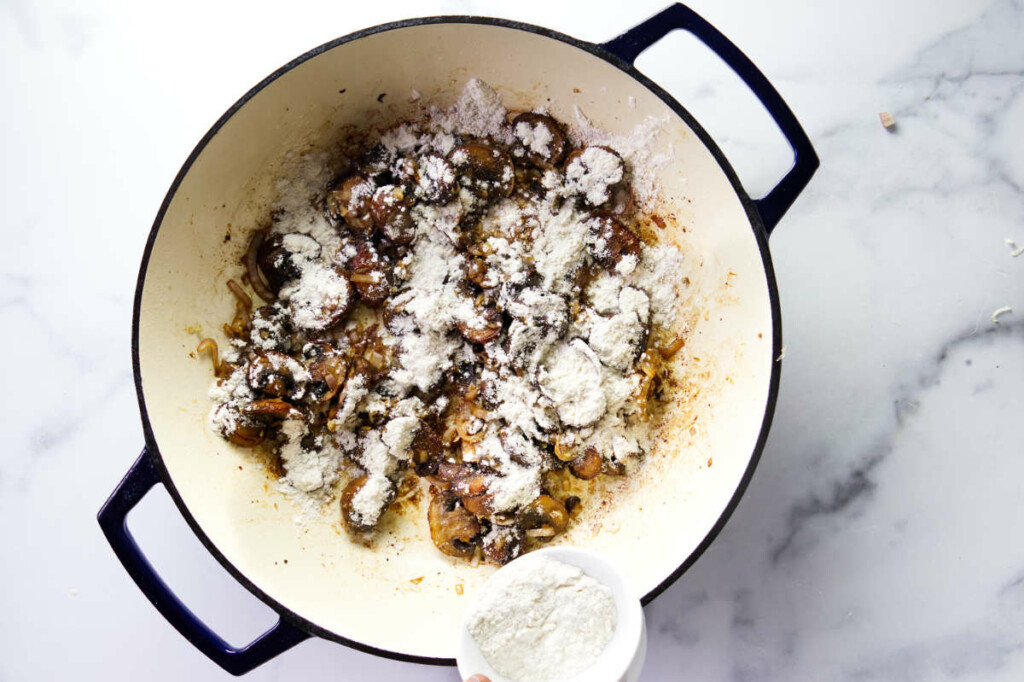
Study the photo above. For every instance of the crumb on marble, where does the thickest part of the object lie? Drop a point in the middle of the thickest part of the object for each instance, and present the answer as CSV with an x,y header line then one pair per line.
x,y
1015,250
888,122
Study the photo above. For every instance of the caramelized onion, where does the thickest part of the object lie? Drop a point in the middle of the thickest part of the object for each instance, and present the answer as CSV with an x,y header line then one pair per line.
x,y
253,270
673,347
210,345
244,301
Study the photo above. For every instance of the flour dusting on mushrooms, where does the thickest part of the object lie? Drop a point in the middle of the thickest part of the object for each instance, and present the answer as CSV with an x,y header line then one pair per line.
x,y
468,300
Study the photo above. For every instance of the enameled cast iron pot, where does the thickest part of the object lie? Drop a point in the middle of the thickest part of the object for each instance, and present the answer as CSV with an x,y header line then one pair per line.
x,y
336,589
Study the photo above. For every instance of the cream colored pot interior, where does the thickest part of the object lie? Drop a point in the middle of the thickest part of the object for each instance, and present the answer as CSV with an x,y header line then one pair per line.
x,y
402,595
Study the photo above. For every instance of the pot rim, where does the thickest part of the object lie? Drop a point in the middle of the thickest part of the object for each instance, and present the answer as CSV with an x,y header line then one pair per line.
x,y
757,226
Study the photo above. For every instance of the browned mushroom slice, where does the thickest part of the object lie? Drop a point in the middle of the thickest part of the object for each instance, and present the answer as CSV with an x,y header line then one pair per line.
x,y
451,471
484,327
435,179
323,302
588,465
376,160
484,170
327,369
502,544
453,529
275,263
370,275
621,204
521,448
391,213
473,493
272,373
545,517
610,241
594,173
539,139
351,200
360,520
361,376
270,327
247,435
271,408
425,450
406,171
276,257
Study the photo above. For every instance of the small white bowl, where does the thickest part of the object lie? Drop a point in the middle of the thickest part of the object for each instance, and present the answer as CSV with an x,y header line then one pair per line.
x,y
623,656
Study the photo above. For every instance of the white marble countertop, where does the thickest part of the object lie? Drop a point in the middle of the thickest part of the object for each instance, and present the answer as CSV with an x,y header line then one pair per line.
x,y
881,536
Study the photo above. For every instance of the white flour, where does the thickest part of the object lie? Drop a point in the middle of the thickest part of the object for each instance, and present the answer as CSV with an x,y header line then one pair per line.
x,y
540,620
564,364
593,172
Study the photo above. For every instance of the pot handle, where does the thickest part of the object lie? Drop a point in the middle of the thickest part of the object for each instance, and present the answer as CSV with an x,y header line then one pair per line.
x,y
112,517
630,44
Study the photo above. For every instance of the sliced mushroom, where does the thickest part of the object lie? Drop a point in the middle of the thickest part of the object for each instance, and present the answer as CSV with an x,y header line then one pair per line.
x,y
351,200
484,170
327,369
610,241
357,520
270,372
473,493
539,139
545,517
521,448
370,274
595,173
588,465
484,327
425,450
247,434
463,374
451,471
453,529
276,261
376,160
406,170
435,179
621,203
391,213
324,304
503,543
270,328
481,505
271,408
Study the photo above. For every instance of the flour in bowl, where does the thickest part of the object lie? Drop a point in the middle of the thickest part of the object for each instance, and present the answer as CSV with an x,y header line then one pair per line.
x,y
539,620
